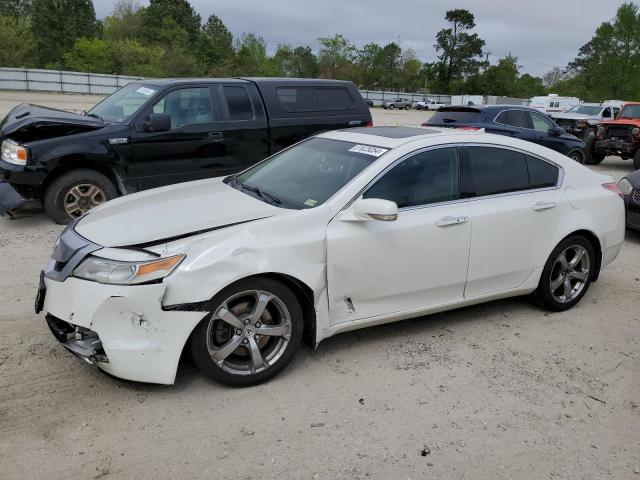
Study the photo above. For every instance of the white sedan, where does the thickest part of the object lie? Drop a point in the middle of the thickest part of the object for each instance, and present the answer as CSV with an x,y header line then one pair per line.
x,y
344,230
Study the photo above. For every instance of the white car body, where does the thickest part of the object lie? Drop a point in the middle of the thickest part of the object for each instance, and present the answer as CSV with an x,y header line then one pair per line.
x,y
428,105
382,268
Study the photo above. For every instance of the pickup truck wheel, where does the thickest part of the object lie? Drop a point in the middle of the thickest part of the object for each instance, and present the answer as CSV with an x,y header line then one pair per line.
x,y
253,332
636,160
576,156
74,193
589,139
407,107
594,158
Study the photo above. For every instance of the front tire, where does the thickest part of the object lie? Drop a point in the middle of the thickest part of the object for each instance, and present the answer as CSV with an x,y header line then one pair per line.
x,y
576,156
253,332
636,160
595,158
74,193
567,274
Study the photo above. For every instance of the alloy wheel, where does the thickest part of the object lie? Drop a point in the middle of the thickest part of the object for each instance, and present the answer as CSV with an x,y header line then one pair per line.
x,y
570,273
82,198
249,332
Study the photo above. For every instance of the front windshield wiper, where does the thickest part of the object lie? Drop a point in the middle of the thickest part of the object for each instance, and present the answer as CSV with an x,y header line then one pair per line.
x,y
94,115
265,196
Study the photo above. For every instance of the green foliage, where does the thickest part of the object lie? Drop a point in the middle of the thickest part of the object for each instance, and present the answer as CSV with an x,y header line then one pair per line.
x,y
608,66
17,40
130,57
125,22
251,56
215,45
89,55
459,50
15,7
173,14
336,57
57,24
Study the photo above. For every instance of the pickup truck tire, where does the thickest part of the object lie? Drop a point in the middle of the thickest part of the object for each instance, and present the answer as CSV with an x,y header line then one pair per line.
x,y
576,156
636,160
76,192
407,107
594,158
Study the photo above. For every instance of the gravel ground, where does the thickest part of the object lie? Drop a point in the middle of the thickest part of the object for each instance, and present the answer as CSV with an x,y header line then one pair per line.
x,y
497,391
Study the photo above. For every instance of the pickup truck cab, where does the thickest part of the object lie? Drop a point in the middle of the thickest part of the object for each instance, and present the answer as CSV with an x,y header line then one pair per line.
x,y
428,104
159,132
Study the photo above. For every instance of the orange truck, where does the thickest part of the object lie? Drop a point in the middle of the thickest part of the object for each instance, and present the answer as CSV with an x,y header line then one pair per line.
x,y
620,136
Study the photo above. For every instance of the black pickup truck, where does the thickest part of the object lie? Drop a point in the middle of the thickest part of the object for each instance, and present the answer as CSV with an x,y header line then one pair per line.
x,y
158,132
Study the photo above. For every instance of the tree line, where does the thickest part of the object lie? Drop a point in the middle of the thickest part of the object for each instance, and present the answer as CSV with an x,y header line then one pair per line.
x,y
169,38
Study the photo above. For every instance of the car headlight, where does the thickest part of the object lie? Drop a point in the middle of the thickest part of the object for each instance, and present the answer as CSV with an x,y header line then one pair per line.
x,y
116,272
635,131
13,153
625,186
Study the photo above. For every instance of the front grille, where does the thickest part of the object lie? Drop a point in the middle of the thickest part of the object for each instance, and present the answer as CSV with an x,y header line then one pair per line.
x,y
635,195
623,133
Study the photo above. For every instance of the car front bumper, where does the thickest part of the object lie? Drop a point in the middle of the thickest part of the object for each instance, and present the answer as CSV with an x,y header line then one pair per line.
x,y
616,147
131,335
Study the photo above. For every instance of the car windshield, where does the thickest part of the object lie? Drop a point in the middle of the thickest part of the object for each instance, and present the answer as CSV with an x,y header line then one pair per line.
x,y
586,109
630,111
308,174
124,103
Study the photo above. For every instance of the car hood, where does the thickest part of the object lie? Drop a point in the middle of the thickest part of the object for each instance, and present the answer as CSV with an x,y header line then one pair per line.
x,y
573,116
168,213
634,122
26,117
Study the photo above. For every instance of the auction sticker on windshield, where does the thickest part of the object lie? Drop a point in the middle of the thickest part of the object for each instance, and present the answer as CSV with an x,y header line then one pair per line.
x,y
145,91
369,150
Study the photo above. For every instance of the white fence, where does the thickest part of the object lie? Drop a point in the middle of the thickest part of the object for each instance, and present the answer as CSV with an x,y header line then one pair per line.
x,y
61,81
103,84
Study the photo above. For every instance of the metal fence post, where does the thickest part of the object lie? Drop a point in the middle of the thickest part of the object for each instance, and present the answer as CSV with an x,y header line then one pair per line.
x,y
26,79
89,82
61,82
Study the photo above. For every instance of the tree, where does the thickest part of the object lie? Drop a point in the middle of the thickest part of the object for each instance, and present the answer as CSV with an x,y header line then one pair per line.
x,y
130,57
58,23
336,56
124,22
16,8
608,66
553,76
251,56
215,44
460,50
179,11
89,55
17,40
305,63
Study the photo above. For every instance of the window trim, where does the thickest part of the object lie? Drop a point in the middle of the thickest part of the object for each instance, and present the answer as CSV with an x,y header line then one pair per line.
x,y
558,185
495,119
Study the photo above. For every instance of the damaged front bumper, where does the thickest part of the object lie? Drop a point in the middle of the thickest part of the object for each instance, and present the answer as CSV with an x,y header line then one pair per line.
x,y
9,199
121,329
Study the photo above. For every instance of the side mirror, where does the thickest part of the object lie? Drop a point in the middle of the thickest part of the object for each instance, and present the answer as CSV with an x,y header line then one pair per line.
x,y
158,122
375,209
555,132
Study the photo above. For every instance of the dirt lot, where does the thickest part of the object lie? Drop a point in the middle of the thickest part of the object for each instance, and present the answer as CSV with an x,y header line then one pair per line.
x,y
497,391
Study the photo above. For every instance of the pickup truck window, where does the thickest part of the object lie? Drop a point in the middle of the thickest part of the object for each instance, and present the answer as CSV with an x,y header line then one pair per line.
x,y
315,99
240,107
187,106
120,106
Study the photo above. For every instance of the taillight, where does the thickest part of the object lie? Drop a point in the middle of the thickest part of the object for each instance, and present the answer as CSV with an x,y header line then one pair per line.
x,y
613,187
369,124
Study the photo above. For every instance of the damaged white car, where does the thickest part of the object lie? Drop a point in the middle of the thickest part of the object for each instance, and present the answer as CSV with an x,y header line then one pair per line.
x,y
342,231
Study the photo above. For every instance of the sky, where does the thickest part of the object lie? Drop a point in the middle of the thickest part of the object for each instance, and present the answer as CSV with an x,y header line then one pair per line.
x,y
541,33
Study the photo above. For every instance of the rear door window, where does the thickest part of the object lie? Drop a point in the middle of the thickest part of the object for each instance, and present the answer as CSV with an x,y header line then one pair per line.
x,y
495,170
238,102
315,99
514,118
542,174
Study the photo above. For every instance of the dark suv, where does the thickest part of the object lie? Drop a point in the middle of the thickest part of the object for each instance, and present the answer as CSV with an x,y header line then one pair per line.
x,y
514,121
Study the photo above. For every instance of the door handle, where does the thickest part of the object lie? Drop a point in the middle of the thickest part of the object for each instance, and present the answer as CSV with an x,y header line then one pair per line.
x,y
216,136
445,221
538,207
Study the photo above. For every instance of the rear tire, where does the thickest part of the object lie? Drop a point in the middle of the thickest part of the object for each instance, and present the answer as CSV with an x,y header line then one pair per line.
x,y
76,192
407,107
567,274
595,158
576,156
234,345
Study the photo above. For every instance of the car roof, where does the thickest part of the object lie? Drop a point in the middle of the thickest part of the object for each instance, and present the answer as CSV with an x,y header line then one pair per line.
x,y
259,80
392,137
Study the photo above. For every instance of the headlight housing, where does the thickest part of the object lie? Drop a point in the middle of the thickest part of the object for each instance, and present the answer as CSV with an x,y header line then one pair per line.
x,y
13,153
625,186
115,272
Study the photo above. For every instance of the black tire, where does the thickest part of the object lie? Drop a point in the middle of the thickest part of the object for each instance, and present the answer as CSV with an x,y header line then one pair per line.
x,y
206,332
57,195
392,106
544,293
636,160
407,107
576,156
594,158
589,138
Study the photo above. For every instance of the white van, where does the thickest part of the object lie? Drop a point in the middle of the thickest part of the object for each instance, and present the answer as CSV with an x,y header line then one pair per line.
x,y
553,103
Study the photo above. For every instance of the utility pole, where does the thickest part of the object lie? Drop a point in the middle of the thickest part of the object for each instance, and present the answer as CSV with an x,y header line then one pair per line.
x,y
486,60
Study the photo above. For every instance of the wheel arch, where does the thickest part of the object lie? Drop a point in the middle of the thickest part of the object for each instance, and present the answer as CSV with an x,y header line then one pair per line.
x,y
597,247
68,163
